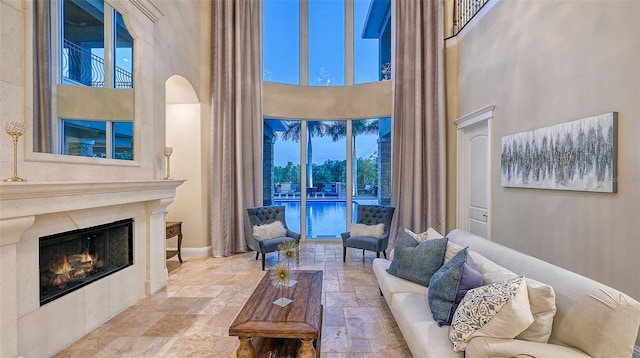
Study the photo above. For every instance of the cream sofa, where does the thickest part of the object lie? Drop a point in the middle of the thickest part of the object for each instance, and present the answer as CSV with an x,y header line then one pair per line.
x,y
592,320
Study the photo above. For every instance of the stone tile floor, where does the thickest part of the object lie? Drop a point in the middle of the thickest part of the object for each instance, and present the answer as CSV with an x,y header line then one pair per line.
x,y
192,315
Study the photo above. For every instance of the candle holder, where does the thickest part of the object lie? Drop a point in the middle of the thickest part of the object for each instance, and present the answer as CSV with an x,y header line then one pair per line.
x,y
14,129
167,153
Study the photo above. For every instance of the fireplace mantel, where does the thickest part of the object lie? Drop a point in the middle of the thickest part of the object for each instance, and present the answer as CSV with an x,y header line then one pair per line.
x,y
44,197
30,210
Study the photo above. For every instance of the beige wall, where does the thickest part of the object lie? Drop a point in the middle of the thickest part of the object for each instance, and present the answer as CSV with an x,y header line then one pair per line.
x,y
177,42
547,62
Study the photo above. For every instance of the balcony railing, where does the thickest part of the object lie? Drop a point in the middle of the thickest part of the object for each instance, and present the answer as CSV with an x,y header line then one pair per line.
x,y
465,10
83,67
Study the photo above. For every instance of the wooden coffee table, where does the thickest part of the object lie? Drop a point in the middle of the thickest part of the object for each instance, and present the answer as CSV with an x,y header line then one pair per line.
x,y
281,330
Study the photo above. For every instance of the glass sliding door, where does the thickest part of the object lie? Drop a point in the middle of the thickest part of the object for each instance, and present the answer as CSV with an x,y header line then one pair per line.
x,y
306,169
281,168
326,173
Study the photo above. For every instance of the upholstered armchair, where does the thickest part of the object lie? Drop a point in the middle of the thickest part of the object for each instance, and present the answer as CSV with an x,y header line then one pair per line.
x,y
370,215
267,233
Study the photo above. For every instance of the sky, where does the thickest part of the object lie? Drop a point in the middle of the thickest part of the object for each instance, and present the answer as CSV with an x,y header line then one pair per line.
x,y
326,62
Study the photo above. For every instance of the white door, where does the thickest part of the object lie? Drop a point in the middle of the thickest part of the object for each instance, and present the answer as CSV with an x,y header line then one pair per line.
x,y
478,174
474,172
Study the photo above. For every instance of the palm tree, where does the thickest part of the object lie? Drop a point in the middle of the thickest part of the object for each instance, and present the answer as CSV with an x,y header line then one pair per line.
x,y
314,129
338,130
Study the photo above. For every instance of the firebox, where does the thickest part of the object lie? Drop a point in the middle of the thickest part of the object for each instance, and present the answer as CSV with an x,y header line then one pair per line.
x,y
76,258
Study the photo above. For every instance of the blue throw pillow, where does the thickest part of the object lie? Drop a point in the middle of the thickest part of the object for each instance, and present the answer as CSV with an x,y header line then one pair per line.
x,y
417,261
449,285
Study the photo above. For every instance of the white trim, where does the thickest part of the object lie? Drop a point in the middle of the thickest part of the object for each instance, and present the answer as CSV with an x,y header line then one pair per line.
x,y
476,18
149,9
474,117
484,114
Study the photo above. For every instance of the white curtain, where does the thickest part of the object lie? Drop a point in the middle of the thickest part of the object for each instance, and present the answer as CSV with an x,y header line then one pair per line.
x,y
236,122
419,123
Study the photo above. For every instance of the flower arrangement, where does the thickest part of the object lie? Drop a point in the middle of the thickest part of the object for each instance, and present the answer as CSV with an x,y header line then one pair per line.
x,y
288,253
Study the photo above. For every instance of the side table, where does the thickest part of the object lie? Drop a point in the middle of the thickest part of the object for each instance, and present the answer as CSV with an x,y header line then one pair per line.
x,y
174,228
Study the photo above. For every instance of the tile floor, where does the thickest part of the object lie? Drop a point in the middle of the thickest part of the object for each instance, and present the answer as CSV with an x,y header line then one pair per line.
x,y
192,315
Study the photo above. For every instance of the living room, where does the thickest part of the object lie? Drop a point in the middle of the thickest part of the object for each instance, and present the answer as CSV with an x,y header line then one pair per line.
x,y
536,63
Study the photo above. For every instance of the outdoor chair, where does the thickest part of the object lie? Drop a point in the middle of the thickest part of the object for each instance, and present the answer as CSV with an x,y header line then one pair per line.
x,y
370,215
270,238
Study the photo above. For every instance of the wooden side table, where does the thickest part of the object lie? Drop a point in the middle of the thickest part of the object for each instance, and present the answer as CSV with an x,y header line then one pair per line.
x,y
174,228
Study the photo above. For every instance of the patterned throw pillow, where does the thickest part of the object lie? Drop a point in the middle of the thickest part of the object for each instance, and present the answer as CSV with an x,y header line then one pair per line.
x,y
367,230
415,261
269,231
499,310
449,285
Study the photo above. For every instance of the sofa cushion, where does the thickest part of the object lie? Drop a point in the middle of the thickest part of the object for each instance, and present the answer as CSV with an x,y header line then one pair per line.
x,y
415,261
486,347
500,310
541,298
390,285
421,333
367,230
269,231
449,285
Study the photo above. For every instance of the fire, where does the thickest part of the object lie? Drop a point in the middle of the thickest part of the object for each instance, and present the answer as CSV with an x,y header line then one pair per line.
x,y
64,268
74,268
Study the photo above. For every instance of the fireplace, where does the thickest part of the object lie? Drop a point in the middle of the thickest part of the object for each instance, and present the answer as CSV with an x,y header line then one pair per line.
x,y
74,259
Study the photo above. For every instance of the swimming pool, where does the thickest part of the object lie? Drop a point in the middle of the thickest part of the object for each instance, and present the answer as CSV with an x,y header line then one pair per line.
x,y
325,219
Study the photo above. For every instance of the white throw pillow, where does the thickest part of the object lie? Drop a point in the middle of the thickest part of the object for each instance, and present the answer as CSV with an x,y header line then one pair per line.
x,y
367,230
430,234
269,231
499,310
542,298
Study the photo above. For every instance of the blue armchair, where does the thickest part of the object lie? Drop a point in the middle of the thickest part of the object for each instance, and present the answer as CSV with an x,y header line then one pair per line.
x,y
370,215
266,215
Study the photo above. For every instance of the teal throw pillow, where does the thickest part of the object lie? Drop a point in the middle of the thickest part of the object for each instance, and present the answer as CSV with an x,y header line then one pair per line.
x,y
449,285
417,261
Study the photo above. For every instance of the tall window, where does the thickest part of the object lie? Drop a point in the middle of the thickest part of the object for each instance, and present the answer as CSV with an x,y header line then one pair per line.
x,y
322,169
95,50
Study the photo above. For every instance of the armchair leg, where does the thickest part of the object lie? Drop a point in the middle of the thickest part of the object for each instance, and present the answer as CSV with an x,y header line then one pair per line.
x,y
344,254
363,252
257,255
263,262
384,252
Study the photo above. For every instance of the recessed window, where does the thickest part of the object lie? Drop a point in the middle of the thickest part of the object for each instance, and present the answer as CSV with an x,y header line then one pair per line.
x,y
97,139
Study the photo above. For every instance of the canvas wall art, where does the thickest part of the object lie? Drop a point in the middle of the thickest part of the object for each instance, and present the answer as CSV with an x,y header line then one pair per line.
x,y
577,155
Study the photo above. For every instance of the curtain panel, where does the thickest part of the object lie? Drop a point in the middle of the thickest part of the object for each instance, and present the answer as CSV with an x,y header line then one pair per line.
x,y
236,122
42,81
419,123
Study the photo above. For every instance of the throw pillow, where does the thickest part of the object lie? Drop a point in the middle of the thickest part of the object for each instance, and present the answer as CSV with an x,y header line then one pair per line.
x,y
542,299
430,234
269,231
499,310
367,230
449,285
415,261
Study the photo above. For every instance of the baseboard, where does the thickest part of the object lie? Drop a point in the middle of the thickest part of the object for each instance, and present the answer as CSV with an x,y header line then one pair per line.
x,y
193,252
636,351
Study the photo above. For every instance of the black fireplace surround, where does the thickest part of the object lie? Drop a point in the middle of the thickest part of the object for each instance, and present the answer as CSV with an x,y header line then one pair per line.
x,y
76,258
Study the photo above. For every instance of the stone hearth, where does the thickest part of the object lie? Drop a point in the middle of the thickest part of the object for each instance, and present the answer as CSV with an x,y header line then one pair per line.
x,y
32,210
